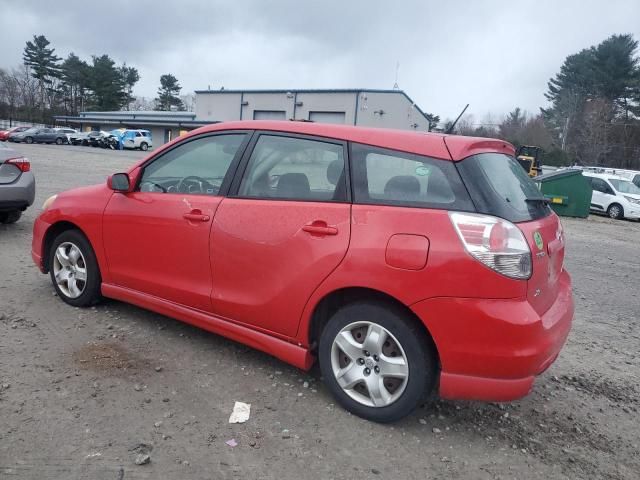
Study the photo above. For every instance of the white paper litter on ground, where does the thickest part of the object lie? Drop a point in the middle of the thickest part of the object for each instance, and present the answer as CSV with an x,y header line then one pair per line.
x,y
241,412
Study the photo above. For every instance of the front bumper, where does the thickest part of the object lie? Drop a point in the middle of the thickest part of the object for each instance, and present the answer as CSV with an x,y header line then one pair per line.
x,y
40,228
492,350
18,195
632,211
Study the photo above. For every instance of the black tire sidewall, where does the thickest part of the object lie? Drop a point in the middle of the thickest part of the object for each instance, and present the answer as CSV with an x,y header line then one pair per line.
x,y
91,293
144,147
28,140
10,217
417,347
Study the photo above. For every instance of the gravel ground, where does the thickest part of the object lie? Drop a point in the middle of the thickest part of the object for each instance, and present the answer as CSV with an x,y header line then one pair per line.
x,y
91,393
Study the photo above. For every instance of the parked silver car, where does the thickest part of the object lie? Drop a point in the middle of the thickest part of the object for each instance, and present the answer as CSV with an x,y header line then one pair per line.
x,y
17,185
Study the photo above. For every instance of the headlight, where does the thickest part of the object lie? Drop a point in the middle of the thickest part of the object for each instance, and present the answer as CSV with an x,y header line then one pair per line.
x,y
47,203
632,200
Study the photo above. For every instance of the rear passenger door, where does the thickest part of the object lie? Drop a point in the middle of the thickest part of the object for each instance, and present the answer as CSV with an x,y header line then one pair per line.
x,y
284,228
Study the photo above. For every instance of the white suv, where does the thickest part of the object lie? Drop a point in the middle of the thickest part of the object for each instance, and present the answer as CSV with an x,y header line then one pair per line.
x,y
614,195
137,139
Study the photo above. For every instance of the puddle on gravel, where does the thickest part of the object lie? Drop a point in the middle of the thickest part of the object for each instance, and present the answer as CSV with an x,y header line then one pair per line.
x,y
109,358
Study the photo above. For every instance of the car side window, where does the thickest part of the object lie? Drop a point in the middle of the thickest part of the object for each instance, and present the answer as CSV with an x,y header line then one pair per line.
x,y
389,177
600,185
295,169
196,167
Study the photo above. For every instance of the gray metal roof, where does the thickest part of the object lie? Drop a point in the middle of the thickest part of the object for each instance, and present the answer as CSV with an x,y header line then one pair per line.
x,y
141,113
136,118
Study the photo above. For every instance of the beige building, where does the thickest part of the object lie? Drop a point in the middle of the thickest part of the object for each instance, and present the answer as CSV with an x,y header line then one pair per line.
x,y
362,107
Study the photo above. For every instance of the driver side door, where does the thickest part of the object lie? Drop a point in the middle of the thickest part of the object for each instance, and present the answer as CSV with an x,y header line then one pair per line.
x,y
156,238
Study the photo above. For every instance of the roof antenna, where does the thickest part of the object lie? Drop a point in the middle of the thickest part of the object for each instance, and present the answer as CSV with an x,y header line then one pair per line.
x,y
453,125
395,85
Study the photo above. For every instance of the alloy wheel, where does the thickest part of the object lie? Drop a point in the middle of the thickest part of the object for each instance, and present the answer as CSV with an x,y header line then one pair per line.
x,y
614,211
369,364
70,270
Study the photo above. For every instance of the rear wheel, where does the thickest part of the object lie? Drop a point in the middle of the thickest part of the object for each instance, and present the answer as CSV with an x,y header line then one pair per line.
x,y
59,141
615,211
74,269
377,361
28,140
144,147
10,217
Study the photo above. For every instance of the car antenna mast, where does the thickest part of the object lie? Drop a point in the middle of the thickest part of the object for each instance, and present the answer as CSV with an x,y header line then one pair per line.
x,y
453,125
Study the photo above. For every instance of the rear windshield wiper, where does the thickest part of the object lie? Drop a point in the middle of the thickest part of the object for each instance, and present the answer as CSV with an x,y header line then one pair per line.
x,y
537,199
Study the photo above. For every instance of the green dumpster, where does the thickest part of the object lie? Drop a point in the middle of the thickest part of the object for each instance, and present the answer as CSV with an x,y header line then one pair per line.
x,y
568,192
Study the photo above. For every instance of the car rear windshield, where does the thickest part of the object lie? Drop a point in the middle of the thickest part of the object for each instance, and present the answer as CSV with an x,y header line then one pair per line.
x,y
499,186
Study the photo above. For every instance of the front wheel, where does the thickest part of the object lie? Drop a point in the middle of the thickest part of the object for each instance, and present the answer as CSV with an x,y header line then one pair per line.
x,y
377,361
74,269
615,211
144,147
59,141
28,140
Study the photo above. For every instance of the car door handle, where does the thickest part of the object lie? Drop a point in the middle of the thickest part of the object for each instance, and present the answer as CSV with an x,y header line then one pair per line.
x,y
196,216
320,227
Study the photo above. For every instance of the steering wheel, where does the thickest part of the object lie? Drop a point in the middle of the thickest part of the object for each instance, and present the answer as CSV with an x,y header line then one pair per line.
x,y
193,179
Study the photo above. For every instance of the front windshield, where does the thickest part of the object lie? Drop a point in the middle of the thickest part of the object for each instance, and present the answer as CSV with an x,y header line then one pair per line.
x,y
624,186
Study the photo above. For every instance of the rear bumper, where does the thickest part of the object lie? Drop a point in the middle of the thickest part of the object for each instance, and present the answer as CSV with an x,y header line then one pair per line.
x,y
18,195
492,350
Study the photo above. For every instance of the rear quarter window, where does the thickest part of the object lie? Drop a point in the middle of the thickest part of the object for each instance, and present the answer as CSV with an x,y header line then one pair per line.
x,y
390,177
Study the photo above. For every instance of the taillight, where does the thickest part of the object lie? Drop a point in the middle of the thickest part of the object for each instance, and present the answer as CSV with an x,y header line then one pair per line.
x,y
497,243
22,163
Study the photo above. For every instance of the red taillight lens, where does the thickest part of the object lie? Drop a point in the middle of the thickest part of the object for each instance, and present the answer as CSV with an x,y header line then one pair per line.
x,y
498,244
22,163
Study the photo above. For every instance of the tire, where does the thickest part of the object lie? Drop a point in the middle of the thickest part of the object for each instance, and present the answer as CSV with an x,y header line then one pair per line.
x,y
144,147
59,141
10,217
403,339
615,211
87,291
28,140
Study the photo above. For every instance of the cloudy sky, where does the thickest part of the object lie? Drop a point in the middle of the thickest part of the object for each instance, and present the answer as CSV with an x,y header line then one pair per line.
x,y
493,54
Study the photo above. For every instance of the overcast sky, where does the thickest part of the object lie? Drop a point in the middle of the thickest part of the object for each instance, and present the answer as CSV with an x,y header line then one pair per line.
x,y
493,54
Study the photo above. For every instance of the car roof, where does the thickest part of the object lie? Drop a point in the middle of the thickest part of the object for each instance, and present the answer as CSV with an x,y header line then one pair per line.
x,y
437,145
606,176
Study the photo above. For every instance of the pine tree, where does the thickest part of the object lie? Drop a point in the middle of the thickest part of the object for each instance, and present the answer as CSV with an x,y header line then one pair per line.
x,y
130,77
168,93
75,82
44,64
109,91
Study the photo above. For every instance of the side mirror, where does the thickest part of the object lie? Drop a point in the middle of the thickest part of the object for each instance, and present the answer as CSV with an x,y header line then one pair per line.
x,y
119,182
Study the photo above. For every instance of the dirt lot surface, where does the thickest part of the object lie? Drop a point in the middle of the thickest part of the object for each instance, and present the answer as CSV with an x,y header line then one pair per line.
x,y
84,393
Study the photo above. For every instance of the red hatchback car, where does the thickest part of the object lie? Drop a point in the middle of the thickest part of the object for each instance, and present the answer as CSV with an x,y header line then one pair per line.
x,y
404,262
